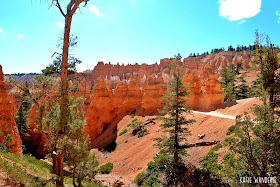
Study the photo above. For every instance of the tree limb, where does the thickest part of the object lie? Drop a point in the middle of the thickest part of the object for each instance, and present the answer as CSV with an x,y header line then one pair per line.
x,y
76,5
201,143
59,7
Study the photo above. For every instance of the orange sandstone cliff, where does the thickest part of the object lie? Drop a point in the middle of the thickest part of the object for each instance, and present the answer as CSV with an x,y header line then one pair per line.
x,y
105,108
206,94
7,122
138,89
153,91
215,61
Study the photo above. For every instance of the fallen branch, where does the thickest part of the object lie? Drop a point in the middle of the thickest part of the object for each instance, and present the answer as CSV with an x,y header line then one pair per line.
x,y
201,143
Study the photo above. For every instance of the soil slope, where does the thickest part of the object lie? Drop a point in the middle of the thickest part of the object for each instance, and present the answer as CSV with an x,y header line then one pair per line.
x,y
132,153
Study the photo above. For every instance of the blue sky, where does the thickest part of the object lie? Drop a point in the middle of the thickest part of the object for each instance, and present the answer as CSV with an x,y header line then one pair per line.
x,y
130,31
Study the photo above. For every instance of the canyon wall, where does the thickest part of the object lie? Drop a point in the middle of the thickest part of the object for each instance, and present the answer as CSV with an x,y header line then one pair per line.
x,y
138,89
105,108
217,61
7,122
139,73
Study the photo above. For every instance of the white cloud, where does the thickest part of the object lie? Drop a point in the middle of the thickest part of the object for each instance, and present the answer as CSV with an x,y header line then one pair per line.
x,y
132,1
243,21
95,10
20,35
1,30
61,25
278,14
235,10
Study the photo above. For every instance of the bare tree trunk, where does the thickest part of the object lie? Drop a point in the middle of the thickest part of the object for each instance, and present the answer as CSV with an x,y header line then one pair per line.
x,y
64,85
58,168
176,153
74,175
64,110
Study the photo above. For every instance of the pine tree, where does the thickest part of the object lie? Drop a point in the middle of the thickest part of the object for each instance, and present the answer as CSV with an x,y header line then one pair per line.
x,y
243,90
257,141
55,67
228,86
21,115
74,145
173,123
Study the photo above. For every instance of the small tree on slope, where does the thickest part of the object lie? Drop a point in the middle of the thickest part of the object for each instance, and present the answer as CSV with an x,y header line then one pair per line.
x,y
74,145
174,143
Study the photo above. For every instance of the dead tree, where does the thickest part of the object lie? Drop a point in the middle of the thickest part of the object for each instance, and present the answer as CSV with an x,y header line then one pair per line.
x,y
201,143
71,8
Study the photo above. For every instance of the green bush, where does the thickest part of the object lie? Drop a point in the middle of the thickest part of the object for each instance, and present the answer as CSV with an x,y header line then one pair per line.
x,y
164,162
140,178
152,180
152,166
142,133
4,146
161,164
106,168
123,132
231,129
135,122
216,147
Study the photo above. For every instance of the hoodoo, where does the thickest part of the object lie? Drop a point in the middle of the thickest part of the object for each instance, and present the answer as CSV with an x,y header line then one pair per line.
x,y
7,122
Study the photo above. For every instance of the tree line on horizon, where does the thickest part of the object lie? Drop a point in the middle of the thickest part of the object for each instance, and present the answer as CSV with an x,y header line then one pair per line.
x,y
230,48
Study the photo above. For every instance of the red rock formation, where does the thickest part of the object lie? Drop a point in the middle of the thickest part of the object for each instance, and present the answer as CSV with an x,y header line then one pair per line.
x,y
153,90
206,92
7,122
127,97
105,109
138,89
122,72
35,140
216,61
100,115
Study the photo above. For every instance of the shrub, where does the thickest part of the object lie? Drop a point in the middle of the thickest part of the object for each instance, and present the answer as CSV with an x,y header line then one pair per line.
x,y
141,177
135,122
152,180
123,132
231,129
142,133
152,166
106,168
164,162
4,146
161,164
